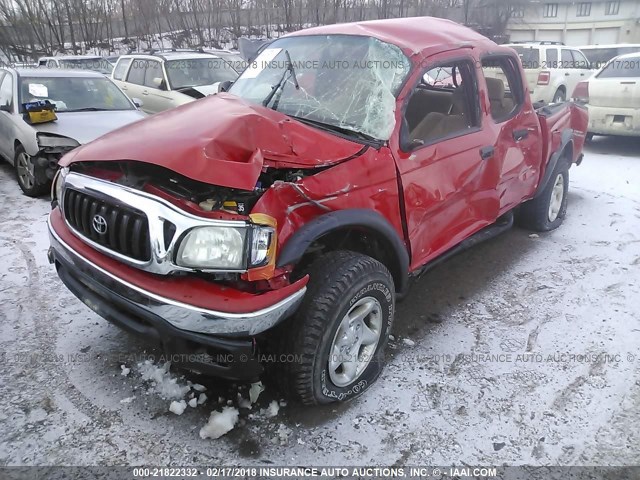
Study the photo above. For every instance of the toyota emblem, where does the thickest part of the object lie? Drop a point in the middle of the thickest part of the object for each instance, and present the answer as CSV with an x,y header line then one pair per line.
x,y
99,224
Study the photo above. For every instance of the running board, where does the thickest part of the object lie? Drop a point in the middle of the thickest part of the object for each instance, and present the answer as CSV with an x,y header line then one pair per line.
x,y
504,223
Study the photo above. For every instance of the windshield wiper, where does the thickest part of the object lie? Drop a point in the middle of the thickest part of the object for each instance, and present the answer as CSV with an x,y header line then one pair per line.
x,y
343,130
88,109
278,87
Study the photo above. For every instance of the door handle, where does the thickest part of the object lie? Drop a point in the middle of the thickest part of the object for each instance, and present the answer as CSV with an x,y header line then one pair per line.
x,y
486,152
566,74
124,87
145,92
520,134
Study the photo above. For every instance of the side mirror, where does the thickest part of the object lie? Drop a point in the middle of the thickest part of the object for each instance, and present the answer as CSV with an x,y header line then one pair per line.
x,y
159,83
6,108
137,102
224,86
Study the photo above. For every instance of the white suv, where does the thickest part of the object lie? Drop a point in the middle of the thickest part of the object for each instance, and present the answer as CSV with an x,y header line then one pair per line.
x,y
164,80
552,69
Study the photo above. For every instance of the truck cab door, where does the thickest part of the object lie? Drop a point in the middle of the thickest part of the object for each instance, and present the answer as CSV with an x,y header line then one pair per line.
x,y
516,127
445,158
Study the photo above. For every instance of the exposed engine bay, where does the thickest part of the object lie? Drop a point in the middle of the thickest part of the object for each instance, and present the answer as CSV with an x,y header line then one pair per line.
x,y
141,176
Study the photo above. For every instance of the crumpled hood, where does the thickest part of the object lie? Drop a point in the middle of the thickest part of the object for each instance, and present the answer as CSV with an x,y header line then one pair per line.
x,y
222,140
87,126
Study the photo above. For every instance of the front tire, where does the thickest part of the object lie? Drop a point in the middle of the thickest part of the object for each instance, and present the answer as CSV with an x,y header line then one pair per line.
x,y
27,175
339,334
548,210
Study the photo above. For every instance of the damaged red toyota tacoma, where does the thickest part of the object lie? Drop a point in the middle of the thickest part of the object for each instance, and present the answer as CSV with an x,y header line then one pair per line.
x,y
286,215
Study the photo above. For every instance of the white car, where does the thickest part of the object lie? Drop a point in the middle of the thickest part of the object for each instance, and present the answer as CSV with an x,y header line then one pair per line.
x,y
165,80
552,69
599,55
77,62
87,105
612,97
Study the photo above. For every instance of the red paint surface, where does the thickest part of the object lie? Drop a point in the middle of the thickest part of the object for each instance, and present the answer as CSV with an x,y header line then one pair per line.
x,y
222,140
448,192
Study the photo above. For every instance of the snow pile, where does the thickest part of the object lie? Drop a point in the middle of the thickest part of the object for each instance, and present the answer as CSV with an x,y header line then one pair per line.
x,y
127,400
255,391
220,423
202,398
283,434
272,410
408,342
178,407
165,384
193,403
125,371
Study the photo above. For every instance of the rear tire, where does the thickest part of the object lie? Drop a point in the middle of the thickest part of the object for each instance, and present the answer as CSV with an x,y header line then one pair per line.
x,y
29,179
340,331
548,210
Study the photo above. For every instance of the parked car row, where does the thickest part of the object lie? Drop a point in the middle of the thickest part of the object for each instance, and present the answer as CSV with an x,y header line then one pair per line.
x,y
70,100
165,80
46,113
610,92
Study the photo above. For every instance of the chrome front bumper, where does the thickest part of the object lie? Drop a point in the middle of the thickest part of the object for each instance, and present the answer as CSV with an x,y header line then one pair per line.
x,y
97,282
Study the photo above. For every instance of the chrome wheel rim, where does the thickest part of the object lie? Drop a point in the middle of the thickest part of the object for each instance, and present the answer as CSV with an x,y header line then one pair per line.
x,y
557,195
25,169
355,341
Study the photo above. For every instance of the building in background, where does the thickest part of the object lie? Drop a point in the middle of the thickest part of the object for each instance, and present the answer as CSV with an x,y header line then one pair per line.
x,y
575,22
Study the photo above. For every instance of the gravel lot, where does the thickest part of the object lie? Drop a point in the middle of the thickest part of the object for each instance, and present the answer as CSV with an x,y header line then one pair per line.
x,y
526,352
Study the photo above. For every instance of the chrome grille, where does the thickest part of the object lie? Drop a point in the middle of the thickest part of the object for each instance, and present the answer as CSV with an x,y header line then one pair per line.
x,y
126,230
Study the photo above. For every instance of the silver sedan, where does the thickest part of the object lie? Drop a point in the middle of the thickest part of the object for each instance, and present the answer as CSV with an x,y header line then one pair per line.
x,y
87,105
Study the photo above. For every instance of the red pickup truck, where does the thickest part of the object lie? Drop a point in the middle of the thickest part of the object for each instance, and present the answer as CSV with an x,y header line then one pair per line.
x,y
278,222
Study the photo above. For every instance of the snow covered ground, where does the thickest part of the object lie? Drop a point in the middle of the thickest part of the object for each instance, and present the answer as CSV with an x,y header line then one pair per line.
x,y
523,350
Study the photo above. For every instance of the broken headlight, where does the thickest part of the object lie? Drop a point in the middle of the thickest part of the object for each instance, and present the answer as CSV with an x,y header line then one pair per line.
x,y
58,183
56,141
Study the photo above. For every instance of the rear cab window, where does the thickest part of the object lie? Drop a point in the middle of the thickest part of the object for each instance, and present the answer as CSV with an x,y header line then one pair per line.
x,y
504,86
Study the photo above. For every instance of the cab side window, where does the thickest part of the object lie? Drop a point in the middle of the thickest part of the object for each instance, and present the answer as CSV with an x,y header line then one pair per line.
x,y
444,104
6,91
504,86
52,64
137,71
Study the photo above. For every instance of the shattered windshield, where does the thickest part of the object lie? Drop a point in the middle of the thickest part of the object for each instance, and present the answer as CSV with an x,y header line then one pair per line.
x,y
342,81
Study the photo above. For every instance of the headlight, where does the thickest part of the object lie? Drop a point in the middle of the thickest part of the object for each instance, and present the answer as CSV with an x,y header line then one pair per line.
x,y
53,141
250,248
213,247
58,184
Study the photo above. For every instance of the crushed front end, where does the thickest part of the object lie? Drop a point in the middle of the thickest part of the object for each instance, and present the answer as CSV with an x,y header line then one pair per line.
x,y
176,262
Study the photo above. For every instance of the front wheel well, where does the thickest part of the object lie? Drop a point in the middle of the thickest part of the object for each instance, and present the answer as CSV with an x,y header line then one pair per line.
x,y
357,239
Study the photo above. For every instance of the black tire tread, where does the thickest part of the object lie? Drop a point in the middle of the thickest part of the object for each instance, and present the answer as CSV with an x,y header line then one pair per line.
x,y
38,190
533,213
330,276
